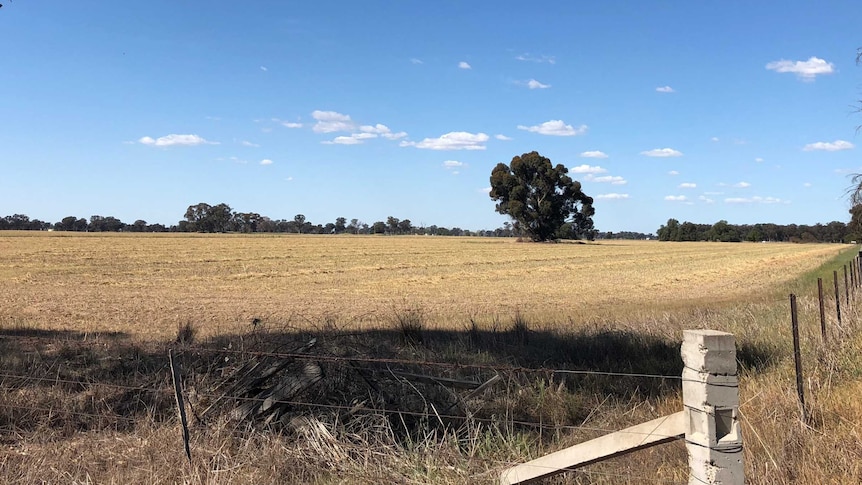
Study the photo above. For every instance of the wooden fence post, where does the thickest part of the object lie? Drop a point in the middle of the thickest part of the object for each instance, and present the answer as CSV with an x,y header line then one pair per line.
x,y
710,393
846,287
837,297
181,408
797,358
822,309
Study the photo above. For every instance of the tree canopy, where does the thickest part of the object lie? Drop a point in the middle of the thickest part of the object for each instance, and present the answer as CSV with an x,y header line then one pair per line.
x,y
541,198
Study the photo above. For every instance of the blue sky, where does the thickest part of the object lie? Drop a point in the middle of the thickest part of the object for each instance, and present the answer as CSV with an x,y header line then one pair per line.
x,y
700,111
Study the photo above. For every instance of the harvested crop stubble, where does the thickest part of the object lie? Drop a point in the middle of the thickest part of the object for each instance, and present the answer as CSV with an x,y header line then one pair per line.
x,y
148,284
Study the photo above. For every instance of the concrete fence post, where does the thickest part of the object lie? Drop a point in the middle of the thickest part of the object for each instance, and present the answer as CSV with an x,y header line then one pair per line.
x,y
710,389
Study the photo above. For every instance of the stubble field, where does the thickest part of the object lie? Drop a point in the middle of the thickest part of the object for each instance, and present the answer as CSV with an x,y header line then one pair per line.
x,y
147,285
86,321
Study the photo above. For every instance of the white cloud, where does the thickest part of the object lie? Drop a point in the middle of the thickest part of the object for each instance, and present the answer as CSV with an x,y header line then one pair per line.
x,y
613,196
502,137
354,139
266,161
449,164
676,198
805,70
829,146
263,68
673,172
173,140
612,179
742,185
687,185
533,84
594,154
758,160
383,131
715,139
289,179
464,65
755,200
806,184
456,140
556,128
486,190
706,199
416,61
247,143
591,169
539,59
331,121
290,124
662,152
665,89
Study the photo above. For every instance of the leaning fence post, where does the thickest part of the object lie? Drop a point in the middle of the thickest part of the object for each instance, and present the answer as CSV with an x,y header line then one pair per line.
x,y
178,393
710,393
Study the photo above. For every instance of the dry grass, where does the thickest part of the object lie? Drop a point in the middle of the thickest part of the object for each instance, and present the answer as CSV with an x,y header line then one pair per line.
x,y
615,306
148,285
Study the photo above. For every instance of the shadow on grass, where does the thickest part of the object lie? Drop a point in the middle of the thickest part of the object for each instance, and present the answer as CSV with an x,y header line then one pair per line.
x,y
415,376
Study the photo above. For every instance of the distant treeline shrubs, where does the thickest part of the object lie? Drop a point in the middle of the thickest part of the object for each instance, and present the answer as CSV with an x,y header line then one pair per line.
x,y
725,232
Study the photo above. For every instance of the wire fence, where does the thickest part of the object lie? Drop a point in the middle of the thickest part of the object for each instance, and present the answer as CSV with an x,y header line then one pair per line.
x,y
158,381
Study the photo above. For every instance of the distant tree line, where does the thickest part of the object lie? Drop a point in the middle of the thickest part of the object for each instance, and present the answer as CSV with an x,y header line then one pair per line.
x,y
624,235
723,231
220,218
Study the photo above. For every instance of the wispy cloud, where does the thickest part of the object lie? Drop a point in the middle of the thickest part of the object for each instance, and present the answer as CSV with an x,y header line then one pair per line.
x,y
665,89
464,65
706,199
555,128
291,124
502,137
594,154
804,70
613,196
742,185
354,139
688,185
714,139
383,131
263,68
758,160
414,60
533,84
673,172
662,153
829,146
247,143
266,161
593,169
449,164
539,59
754,200
676,198
175,140
331,121
456,140
611,179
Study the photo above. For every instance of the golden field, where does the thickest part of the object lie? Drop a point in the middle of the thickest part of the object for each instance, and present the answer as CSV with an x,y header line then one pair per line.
x,y
146,285
76,409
